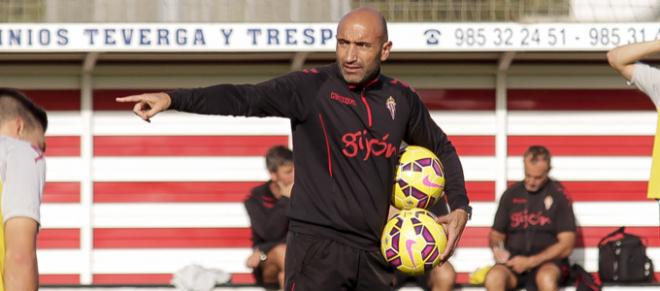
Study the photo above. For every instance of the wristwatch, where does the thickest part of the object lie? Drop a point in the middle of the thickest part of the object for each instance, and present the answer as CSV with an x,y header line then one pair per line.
x,y
262,256
467,209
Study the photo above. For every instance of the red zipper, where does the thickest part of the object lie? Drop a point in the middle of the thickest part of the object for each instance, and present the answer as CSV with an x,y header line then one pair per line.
x,y
327,144
366,104
364,99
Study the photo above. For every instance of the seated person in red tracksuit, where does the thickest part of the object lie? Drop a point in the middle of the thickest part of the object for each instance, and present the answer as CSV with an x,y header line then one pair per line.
x,y
267,206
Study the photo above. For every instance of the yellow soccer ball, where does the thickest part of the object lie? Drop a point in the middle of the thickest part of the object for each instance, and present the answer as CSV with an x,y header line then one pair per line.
x,y
412,241
419,180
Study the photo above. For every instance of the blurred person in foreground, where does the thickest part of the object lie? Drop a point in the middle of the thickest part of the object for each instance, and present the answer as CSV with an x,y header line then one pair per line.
x,y
22,174
267,206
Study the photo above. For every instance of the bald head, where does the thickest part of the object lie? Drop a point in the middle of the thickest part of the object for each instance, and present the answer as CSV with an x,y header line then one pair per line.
x,y
368,18
362,44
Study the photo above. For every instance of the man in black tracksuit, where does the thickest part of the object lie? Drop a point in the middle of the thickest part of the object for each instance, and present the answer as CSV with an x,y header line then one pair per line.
x,y
348,121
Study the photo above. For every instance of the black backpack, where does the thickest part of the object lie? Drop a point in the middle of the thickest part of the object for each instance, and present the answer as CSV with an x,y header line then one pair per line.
x,y
623,258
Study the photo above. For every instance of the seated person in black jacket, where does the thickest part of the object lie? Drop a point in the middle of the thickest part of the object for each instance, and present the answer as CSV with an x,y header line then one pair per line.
x,y
267,206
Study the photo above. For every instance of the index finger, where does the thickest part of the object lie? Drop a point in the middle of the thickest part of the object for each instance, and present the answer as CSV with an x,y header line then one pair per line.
x,y
451,242
133,98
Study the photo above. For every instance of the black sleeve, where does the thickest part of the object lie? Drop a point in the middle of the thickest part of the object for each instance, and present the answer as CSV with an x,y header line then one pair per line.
x,y
266,227
423,131
501,221
440,207
565,216
281,97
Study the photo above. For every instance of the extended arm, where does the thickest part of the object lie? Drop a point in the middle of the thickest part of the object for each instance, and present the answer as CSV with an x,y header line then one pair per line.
x,y
623,58
277,97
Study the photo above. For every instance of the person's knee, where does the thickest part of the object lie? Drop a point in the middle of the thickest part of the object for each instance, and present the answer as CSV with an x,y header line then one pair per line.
x,y
277,250
277,255
496,277
280,248
269,273
444,273
547,277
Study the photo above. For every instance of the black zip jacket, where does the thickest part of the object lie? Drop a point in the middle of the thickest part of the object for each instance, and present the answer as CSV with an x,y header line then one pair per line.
x,y
345,141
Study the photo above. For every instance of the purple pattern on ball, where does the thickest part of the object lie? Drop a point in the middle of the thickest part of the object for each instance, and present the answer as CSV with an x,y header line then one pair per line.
x,y
399,222
389,254
422,202
427,250
408,191
418,229
395,242
396,262
425,162
437,169
434,255
402,183
407,167
427,236
416,193
417,168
